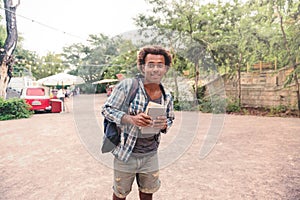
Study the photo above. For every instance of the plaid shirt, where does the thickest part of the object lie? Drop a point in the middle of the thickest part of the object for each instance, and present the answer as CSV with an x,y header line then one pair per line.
x,y
112,110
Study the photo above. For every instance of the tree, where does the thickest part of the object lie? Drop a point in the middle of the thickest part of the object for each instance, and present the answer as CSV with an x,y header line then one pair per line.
x,y
25,62
177,20
290,25
48,65
103,57
278,22
6,56
235,33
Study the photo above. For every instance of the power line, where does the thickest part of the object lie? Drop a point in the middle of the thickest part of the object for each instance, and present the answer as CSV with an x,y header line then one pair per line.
x,y
44,25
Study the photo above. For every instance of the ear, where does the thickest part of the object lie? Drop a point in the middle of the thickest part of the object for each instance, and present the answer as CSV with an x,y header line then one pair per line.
x,y
143,68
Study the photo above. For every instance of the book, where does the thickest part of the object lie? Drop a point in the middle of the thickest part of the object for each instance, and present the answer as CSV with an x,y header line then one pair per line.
x,y
153,110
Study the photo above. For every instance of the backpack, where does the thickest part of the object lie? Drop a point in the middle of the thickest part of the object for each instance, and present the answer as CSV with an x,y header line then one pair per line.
x,y
112,133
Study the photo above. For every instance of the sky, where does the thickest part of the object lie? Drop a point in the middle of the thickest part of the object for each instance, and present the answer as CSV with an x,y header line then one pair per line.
x,y
49,25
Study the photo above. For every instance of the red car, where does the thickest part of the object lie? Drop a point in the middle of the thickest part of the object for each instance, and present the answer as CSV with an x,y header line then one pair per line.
x,y
37,97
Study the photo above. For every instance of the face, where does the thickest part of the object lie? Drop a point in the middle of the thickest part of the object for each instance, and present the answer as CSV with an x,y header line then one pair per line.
x,y
154,68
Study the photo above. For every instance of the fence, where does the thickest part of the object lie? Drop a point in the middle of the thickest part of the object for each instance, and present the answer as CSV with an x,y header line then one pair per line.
x,y
261,66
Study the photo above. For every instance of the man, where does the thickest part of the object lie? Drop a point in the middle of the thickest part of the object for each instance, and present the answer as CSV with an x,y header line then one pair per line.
x,y
136,154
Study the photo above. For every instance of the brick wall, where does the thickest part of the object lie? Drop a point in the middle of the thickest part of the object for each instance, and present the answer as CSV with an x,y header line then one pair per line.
x,y
261,89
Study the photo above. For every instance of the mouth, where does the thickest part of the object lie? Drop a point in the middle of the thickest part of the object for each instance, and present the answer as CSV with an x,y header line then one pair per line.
x,y
155,76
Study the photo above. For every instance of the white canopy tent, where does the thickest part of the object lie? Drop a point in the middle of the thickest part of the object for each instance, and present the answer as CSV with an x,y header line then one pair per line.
x,y
61,79
105,81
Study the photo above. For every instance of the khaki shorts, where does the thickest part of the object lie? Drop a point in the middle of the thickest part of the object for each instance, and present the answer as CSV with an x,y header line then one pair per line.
x,y
144,169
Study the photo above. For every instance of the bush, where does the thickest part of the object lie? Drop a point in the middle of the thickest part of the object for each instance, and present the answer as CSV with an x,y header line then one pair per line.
x,y
233,106
278,109
14,109
205,106
186,106
214,104
217,105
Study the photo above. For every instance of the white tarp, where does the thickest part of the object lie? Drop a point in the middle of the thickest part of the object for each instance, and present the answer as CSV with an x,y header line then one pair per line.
x,y
61,79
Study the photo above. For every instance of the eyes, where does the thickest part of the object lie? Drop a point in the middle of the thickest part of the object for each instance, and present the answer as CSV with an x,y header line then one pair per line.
x,y
152,65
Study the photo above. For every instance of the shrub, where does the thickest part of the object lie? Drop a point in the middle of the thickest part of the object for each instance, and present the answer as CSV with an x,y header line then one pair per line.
x,y
14,109
186,106
278,109
233,106
215,104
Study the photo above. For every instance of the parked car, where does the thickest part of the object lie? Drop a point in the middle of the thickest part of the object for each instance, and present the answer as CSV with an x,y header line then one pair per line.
x,y
37,97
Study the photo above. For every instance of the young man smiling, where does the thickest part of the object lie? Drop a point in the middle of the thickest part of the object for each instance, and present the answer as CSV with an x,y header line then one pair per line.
x,y
136,154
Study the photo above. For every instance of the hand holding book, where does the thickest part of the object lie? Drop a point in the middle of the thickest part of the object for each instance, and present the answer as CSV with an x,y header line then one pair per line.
x,y
160,122
150,122
157,112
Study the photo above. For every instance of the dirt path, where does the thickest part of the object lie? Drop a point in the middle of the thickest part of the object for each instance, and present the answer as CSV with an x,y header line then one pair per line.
x,y
46,157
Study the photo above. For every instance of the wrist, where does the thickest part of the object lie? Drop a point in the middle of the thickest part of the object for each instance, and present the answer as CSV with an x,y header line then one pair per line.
x,y
126,119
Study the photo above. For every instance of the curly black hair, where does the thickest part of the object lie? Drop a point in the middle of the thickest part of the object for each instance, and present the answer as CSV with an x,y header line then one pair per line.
x,y
156,50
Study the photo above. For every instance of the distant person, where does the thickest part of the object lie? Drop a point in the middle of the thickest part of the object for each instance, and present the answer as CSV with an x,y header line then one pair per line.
x,y
77,91
136,154
66,99
61,96
53,94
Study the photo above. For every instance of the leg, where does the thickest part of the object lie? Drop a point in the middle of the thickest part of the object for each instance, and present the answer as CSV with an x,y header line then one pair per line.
x,y
123,179
145,196
66,104
148,177
117,198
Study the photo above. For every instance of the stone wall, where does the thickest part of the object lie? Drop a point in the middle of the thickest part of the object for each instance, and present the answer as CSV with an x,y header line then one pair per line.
x,y
261,89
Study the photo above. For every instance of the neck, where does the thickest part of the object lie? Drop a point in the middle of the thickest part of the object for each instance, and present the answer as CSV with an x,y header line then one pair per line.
x,y
152,86
153,90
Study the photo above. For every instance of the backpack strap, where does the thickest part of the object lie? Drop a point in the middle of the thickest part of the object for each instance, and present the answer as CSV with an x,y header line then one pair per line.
x,y
132,93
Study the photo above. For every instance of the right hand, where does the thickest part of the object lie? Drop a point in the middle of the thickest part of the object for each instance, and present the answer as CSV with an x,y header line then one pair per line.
x,y
141,120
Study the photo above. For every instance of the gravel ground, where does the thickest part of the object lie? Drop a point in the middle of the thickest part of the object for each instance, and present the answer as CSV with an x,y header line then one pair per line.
x,y
56,156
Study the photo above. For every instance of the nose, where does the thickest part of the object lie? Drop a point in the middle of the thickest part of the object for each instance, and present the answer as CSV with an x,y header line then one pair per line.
x,y
156,67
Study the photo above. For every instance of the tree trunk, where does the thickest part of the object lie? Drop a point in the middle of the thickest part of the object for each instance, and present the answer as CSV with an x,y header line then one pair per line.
x,y
240,81
292,60
6,58
176,85
196,80
297,86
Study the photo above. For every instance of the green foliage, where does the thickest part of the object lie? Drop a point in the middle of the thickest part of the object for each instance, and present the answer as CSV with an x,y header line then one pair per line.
x,y
213,104
234,33
245,111
104,57
25,62
216,103
278,109
185,106
14,109
124,63
206,106
48,65
201,92
220,36
291,76
2,35
233,106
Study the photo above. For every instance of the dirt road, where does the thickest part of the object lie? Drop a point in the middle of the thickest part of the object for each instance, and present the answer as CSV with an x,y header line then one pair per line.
x,y
54,156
